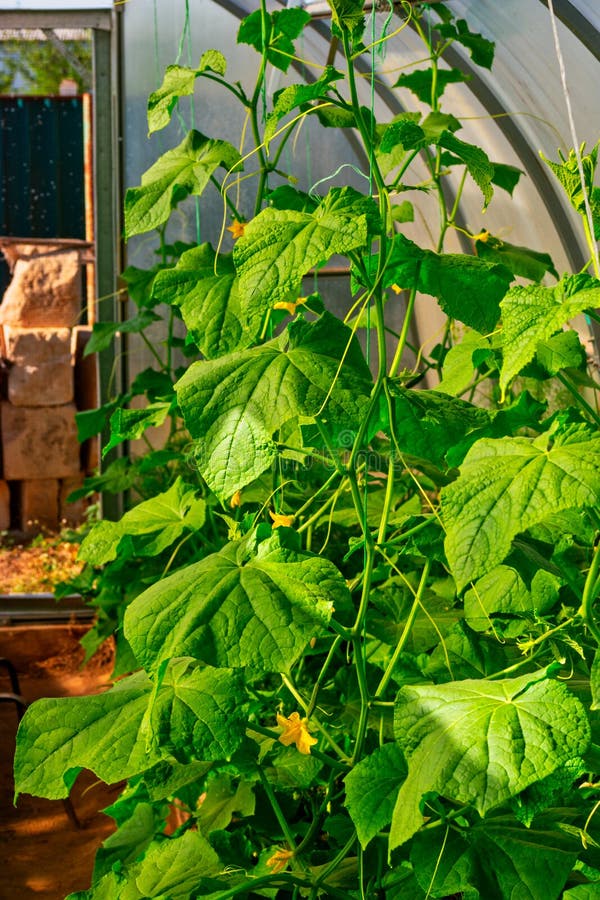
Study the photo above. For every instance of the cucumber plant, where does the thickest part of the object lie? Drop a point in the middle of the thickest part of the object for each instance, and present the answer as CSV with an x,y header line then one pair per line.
x,y
355,620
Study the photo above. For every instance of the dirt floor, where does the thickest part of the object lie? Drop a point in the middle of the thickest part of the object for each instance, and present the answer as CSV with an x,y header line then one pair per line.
x,y
44,854
35,565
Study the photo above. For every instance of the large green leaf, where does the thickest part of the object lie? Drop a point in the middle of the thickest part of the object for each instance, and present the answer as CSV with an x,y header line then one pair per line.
x,y
195,714
251,610
500,856
205,288
567,172
475,159
524,863
427,423
371,790
234,405
176,868
501,591
169,513
531,314
468,288
420,82
179,82
104,332
507,485
280,246
481,742
130,424
184,170
296,95
521,261
277,32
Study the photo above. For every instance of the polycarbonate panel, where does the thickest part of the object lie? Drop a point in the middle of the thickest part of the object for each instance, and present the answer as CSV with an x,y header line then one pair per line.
x,y
513,112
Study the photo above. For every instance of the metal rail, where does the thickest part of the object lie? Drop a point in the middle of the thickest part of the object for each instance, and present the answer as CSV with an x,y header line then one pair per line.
x,y
44,607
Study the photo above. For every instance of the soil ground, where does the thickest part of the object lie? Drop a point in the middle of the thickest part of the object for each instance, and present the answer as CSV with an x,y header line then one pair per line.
x,y
34,565
44,854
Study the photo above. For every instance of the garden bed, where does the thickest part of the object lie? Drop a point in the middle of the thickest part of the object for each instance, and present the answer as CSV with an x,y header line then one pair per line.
x,y
45,854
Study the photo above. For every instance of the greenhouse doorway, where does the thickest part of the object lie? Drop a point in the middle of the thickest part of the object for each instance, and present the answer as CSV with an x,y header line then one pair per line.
x,y
58,219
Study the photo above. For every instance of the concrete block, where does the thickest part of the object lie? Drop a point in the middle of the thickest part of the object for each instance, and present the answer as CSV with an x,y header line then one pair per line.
x,y
4,506
38,504
72,514
41,370
39,443
45,290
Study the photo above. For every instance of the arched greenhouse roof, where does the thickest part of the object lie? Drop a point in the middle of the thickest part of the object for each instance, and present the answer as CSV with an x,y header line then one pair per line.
x,y
515,111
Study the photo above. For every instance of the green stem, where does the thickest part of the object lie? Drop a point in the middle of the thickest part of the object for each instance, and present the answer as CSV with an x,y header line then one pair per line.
x,y
405,632
590,592
592,245
389,498
578,397
153,352
404,167
236,213
339,857
333,477
363,719
277,809
254,113
230,87
317,685
405,326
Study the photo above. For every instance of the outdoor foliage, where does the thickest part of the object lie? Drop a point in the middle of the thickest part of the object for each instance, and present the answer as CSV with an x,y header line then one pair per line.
x,y
38,67
354,617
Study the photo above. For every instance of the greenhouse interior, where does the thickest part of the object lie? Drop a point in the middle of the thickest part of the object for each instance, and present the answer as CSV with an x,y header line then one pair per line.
x,y
300,449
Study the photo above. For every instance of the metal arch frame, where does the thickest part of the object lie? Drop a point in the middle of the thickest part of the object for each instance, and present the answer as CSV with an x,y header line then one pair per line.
x,y
577,24
536,170
384,93
544,184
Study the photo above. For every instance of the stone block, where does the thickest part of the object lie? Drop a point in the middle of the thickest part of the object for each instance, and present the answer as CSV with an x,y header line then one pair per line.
x,y
38,504
39,443
4,506
72,514
45,289
41,370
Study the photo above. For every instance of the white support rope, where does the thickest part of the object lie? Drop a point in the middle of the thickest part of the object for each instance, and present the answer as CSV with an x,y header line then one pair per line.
x,y
563,78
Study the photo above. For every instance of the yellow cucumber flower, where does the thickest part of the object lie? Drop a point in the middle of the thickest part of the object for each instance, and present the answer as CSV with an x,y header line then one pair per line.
x,y
291,307
295,731
237,229
281,521
280,860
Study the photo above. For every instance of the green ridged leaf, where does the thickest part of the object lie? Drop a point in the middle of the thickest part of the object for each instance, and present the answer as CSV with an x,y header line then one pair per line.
x,y
481,742
195,715
236,609
532,314
234,405
177,173
505,486
280,246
